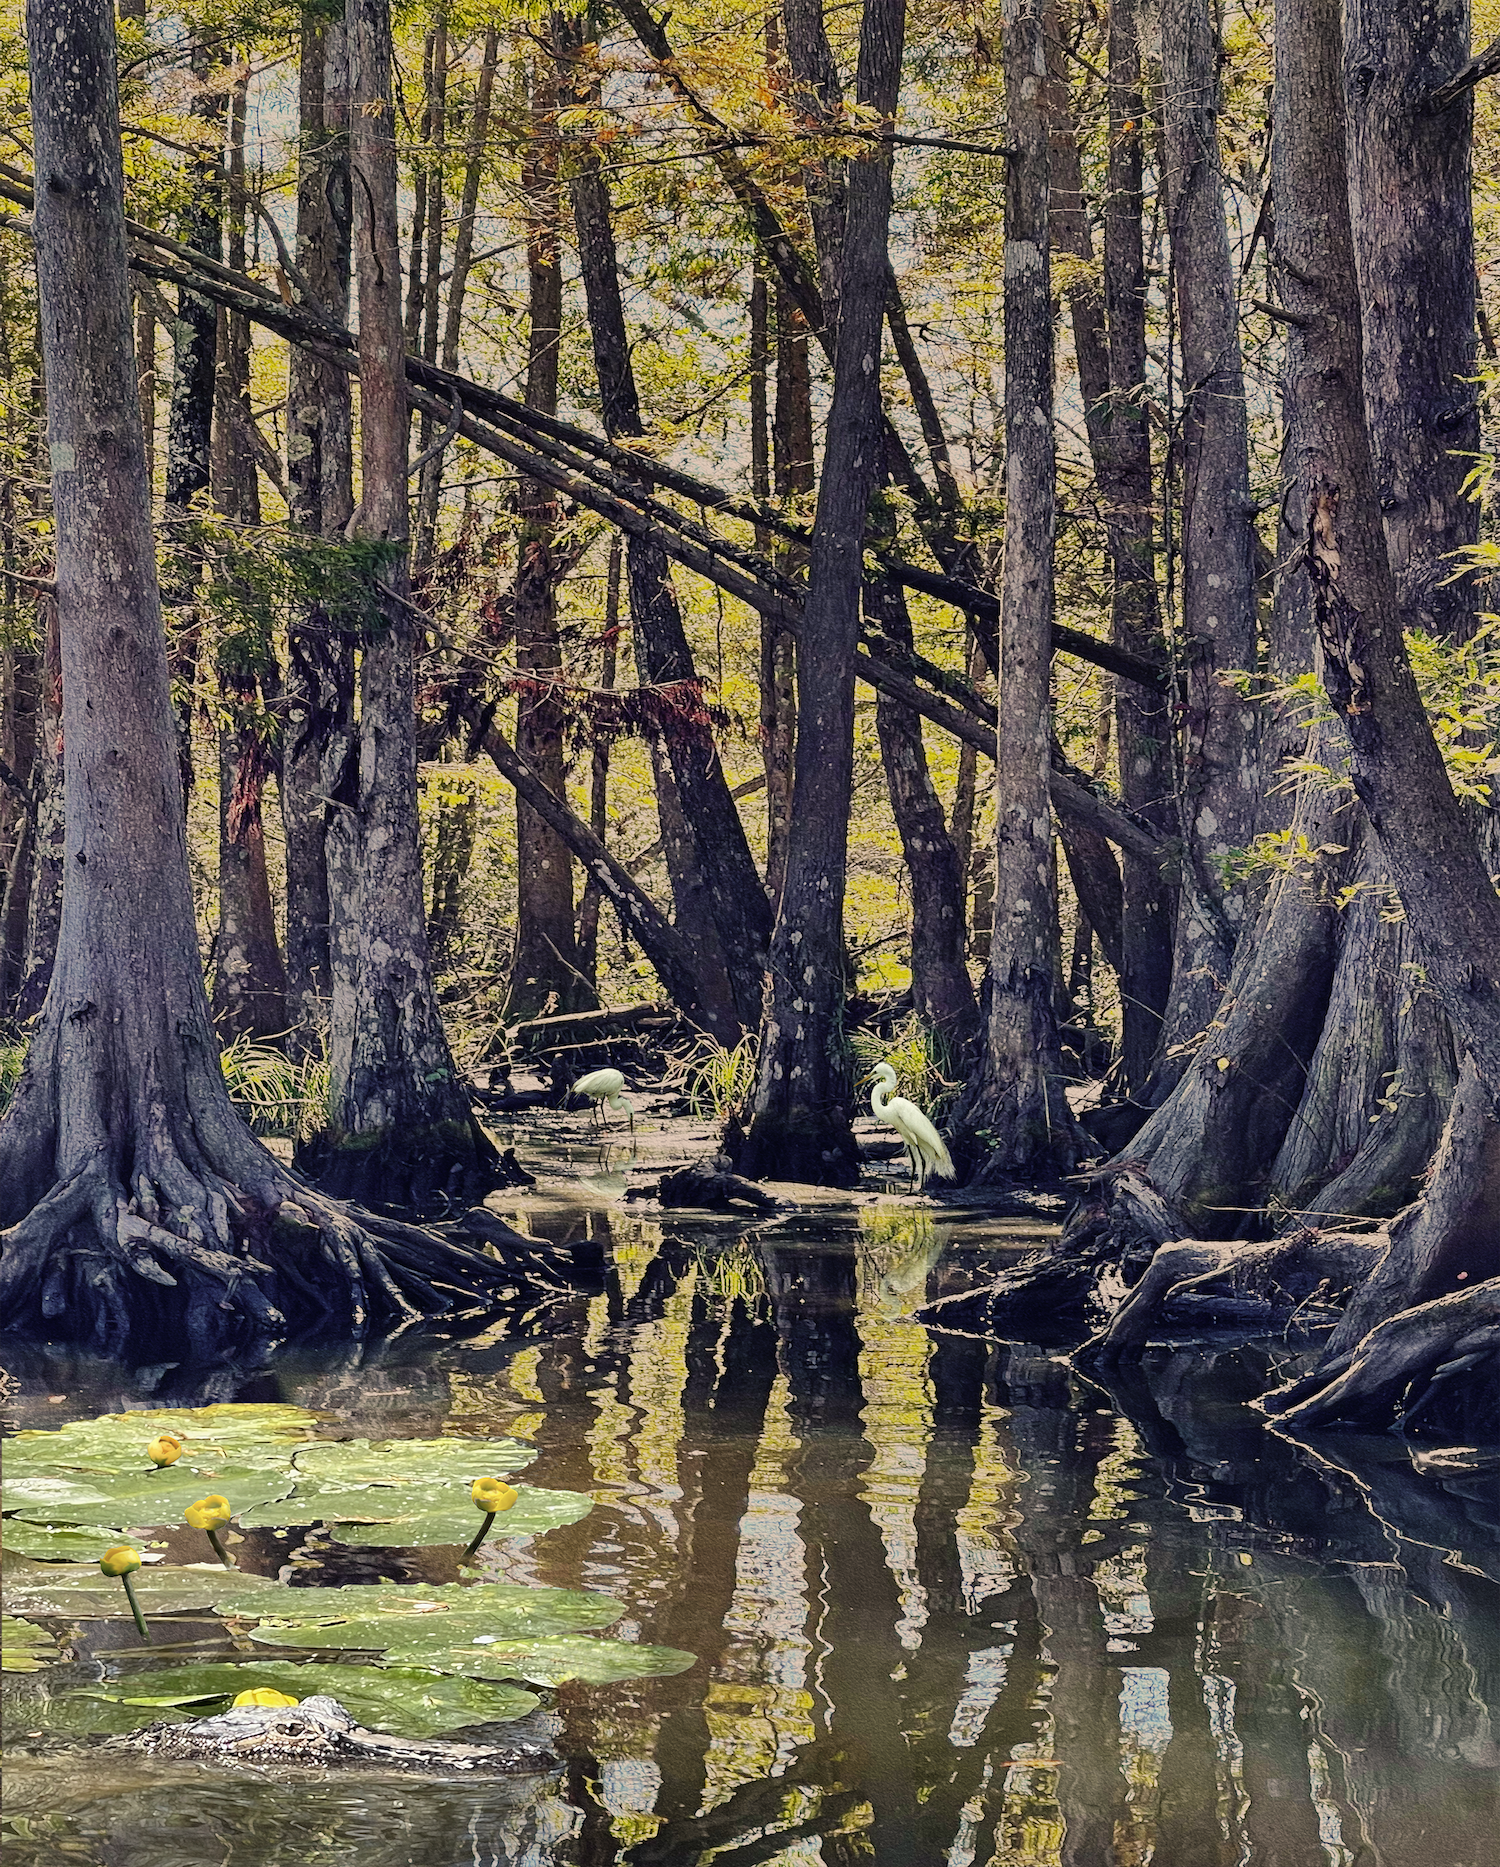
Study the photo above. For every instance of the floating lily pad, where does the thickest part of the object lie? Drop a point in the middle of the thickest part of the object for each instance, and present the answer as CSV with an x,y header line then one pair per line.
x,y
45,1491
316,1503
411,1461
482,1646
81,1592
228,1433
441,1514
407,1701
57,1542
23,1647
147,1499
495,1608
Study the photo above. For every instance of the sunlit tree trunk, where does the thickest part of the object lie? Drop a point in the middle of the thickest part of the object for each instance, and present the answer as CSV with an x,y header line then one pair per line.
x,y
800,1112
319,769
1014,1116
405,1125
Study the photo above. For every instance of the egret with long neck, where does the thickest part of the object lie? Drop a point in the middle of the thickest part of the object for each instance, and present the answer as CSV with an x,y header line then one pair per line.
x,y
925,1148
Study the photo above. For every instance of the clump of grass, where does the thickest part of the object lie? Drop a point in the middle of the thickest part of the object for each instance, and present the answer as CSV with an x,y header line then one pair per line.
x,y
716,1080
277,1094
927,1066
12,1062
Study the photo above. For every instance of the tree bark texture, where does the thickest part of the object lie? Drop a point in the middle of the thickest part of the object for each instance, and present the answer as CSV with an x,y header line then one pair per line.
x,y
404,1121
20,732
942,992
129,1187
1220,775
1143,731
735,896
195,333
249,996
544,971
817,96
1411,208
793,476
800,1109
49,830
1423,839
318,774
1015,1110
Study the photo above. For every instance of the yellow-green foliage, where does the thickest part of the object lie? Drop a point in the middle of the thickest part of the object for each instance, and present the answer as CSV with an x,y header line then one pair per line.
x,y
717,1080
275,1093
927,1071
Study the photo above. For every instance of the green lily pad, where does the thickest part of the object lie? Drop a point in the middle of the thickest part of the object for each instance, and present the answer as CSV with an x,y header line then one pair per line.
x,y
443,1514
44,1491
315,1503
406,1701
411,1461
23,1647
323,1614
212,1436
57,1542
482,1646
80,1591
148,1499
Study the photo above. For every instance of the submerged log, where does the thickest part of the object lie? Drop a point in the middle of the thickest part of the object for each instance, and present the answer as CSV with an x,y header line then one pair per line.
x,y
319,1733
710,1185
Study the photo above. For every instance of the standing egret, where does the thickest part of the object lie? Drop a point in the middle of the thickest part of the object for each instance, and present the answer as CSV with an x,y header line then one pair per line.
x,y
603,1087
924,1145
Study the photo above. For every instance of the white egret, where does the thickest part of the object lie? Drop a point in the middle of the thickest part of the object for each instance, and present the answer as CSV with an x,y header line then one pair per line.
x,y
603,1088
924,1145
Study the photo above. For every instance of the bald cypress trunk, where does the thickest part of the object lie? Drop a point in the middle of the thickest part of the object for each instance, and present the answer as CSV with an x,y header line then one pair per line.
x,y
544,972
800,1108
405,1126
132,1196
732,893
1014,1116
1220,774
318,774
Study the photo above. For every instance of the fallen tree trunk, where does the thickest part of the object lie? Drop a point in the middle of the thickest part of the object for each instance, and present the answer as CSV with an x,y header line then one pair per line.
x,y
320,1734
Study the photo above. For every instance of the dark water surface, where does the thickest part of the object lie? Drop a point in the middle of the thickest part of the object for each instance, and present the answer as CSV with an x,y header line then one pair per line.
x,y
952,1604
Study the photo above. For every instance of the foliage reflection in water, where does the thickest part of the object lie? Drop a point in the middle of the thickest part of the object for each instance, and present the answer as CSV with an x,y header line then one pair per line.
x,y
952,1604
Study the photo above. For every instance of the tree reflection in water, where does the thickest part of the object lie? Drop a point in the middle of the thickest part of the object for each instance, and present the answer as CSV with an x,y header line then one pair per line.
x,y
952,1603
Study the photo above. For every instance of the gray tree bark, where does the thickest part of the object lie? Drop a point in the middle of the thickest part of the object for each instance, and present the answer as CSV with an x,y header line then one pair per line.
x,y
130,1190
544,973
1220,772
405,1125
800,1109
319,774
1014,1115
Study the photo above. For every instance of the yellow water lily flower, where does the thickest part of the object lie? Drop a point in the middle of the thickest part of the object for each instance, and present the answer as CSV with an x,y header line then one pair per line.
x,y
209,1512
263,1695
120,1560
493,1494
166,1450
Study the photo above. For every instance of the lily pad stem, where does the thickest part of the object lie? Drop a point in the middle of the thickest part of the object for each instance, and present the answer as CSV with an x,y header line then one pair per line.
x,y
484,1530
135,1608
220,1551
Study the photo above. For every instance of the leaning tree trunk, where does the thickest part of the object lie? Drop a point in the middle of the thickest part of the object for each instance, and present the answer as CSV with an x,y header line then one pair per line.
x,y
1411,208
131,1193
800,1109
405,1127
1220,776
544,971
318,779
942,992
1433,1310
735,897
1014,1116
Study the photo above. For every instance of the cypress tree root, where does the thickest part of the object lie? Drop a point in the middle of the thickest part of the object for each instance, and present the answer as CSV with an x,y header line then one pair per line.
x,y
442,1164
813,1147
199,1231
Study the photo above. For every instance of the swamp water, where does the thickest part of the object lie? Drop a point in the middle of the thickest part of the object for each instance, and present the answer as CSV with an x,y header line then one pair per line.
x,y
951,1603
